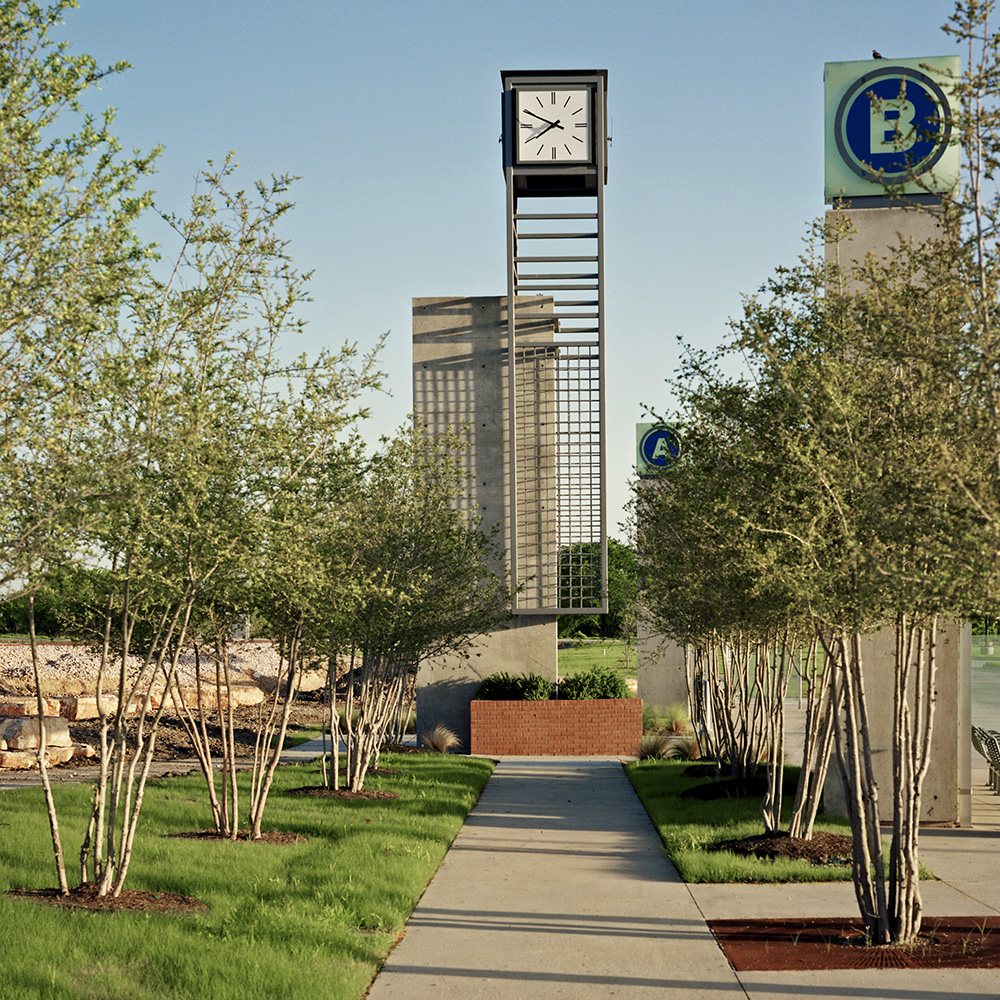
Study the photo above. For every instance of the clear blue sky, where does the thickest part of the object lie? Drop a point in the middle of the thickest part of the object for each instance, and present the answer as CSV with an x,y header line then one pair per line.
x,y
389,111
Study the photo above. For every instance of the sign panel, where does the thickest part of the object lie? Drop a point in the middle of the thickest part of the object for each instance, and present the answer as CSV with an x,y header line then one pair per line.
x,y
888,123
657,448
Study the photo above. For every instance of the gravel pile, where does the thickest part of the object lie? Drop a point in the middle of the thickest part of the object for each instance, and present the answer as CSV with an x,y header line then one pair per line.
x,y
69,669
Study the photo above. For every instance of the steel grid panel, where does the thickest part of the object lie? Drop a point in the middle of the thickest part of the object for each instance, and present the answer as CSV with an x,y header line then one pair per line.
x,y
559,482
555,398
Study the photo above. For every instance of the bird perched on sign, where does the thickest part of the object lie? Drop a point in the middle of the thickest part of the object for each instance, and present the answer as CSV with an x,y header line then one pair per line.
x,y
876,54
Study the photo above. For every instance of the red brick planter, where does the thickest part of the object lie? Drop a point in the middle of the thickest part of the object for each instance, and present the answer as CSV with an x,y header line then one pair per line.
x,y
611,726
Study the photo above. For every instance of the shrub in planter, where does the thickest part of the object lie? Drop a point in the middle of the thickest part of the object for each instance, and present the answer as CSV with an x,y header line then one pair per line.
x,y
598,682
513,687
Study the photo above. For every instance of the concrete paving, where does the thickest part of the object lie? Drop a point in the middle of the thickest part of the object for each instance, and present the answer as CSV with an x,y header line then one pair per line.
x,y
86,770
558,886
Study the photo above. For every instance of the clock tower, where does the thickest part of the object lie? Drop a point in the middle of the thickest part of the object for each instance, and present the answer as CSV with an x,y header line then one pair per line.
x,y
555,168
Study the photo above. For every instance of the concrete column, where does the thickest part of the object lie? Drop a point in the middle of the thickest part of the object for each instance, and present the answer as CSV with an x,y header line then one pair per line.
x,y
460,384
878,230
940,797
662,680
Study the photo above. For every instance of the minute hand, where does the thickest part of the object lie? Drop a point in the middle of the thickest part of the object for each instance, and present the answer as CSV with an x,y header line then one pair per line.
x,y
554,124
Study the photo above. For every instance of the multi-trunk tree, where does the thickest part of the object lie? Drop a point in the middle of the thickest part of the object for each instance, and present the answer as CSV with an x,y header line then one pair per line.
x,y
68,256
426,582
864,479
151,420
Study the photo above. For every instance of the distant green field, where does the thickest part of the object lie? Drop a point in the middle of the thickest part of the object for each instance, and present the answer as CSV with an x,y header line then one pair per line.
x,y
610,652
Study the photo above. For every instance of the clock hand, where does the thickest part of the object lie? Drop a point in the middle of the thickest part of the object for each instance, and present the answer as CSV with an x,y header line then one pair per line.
x,y
548,128
554,124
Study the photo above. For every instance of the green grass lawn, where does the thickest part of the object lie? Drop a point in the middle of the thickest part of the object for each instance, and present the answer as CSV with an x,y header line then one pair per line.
x,y
300,736
610,652
303,921
688,826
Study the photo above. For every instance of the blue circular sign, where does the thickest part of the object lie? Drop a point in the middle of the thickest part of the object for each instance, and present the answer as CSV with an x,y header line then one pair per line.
x,y
892,122
660,447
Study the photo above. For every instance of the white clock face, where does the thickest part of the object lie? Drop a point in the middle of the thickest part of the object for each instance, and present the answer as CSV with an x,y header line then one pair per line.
x,y
553,126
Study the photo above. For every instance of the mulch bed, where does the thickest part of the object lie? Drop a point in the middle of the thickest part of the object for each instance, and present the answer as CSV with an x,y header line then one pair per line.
x,y
823,849
243,837
836,943
85,897
321,791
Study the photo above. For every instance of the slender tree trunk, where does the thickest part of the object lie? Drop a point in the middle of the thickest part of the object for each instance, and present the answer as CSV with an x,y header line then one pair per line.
x,y
699,704
817,743
262,786
854,754
230,786
43,770
914,702
196,727
772,683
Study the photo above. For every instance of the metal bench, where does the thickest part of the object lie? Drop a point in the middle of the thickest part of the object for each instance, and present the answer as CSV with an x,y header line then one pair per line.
x,y
987,745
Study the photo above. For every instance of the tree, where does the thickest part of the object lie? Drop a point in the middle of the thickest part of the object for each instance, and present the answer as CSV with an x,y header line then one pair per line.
x,y
149,418
68,255
304,586
836,492
621,592
890,468
708,575
425,581
246,451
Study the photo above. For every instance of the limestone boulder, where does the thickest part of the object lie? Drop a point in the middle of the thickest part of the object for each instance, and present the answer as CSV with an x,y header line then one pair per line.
x,y
22,733
21,760
16,705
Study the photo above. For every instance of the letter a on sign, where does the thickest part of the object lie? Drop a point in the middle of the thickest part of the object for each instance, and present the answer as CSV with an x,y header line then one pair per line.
x,y
661,451
659,448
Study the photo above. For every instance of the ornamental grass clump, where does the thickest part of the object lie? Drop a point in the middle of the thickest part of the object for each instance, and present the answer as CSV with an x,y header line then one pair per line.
x,y
674,719
440,739
662,745
667,732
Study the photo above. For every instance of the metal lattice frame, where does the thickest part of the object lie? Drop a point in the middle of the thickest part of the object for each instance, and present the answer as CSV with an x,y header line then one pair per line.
x,y
555,294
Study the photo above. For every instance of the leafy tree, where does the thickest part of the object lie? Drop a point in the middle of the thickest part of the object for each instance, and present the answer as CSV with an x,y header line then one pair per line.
x,y
265,434
839,492
150,426
884,505
68,257
425,581
708,580
616,624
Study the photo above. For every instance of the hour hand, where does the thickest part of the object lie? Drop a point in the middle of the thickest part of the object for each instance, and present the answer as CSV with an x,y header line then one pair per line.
x,y
548,128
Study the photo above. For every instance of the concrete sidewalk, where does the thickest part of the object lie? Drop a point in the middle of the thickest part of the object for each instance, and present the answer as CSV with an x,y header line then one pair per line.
x,y
557,886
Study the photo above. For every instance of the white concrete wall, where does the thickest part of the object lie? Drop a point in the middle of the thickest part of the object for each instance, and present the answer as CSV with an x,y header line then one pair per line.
x,y
661,677
459,383
877,230
940,802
